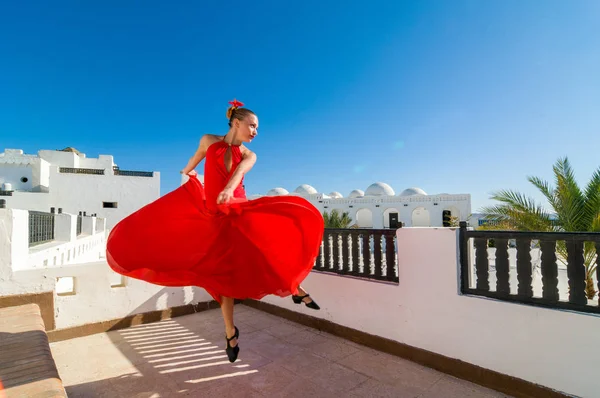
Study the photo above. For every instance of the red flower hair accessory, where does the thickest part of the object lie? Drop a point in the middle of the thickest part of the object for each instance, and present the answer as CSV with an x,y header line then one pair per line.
x,y
236,104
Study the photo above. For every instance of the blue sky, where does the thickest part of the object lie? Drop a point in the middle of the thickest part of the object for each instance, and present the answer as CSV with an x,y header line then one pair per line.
x,y
449,96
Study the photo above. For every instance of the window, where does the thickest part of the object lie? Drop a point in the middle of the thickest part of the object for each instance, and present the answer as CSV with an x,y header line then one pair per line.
x,y
24,179
110,205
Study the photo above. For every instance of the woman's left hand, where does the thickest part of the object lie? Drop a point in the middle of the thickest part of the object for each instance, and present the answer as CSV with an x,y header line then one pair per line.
x,y
225,196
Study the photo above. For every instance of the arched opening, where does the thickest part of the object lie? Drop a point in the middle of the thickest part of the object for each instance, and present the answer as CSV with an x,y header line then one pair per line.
x,y
364,218
391,218
420,217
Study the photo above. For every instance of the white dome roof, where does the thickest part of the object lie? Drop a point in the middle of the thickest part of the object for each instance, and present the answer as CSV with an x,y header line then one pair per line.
x,y
357,193
335,195
305,189
277,192
379,189
413,191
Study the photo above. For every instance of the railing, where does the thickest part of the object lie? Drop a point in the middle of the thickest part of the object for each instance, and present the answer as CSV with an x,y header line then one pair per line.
x,y
81,171
41,227
364,253
6,193
130,173
578,277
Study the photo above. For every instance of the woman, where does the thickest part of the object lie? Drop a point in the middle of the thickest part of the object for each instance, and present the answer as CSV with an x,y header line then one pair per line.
x,y
213,237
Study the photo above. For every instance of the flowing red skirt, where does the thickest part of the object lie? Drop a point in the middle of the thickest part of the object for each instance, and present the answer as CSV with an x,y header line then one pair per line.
x,y
247,249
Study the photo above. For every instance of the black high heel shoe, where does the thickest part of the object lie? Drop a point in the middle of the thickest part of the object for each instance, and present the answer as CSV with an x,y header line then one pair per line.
x,y
299,299
232,352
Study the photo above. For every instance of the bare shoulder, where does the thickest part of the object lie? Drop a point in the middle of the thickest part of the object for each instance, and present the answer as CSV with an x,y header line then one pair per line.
x,y
208,139
246,152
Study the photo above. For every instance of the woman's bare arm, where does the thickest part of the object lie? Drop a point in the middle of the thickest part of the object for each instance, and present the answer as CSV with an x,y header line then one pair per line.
x,y
248,161
200,154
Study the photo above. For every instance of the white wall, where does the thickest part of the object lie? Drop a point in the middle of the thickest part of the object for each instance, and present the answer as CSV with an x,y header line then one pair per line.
x,y
90,191
14,240
102,162
39,201
99,293
12,173
96,301
67,248
380,206
74,192
41,176
81,250
425,310
60,158
84,192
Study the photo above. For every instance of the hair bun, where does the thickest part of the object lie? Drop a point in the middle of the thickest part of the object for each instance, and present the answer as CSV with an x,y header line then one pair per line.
x,y
234,105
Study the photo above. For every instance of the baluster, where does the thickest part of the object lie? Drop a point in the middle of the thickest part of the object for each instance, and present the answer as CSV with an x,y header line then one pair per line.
x,y
345,253
355,259
336,251
390,258
502,267
524,272
576,272
549,270
482,264
319,257
377,255
326,251
366,253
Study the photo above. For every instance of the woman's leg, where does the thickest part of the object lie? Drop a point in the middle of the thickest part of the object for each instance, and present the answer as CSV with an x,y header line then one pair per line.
x,y
302,292
303,296
227,310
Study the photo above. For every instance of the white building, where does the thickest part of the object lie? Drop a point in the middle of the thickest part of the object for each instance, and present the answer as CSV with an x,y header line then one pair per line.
x,y
380,207
67,180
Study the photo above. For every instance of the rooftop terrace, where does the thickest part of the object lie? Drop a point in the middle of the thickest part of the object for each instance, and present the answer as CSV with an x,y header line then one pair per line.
x,y
185,357
514,312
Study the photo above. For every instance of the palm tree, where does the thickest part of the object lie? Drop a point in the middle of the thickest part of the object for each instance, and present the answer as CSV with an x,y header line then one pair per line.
x,y
337,220
573,210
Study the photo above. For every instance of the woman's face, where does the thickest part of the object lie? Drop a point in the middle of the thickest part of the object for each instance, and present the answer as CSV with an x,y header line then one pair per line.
x,y
247,128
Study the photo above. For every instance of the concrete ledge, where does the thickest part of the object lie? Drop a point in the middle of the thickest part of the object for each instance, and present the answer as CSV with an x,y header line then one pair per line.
x,y
132,320
27,368
45,302
488,378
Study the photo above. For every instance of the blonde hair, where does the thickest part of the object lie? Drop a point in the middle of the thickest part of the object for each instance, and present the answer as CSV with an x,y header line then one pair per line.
x,y
234,112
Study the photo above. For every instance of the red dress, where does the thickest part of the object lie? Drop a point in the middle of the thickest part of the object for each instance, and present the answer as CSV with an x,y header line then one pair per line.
x,y
246,249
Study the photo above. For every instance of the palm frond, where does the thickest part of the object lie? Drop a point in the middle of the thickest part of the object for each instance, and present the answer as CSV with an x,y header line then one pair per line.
x,y
336,220
518,212
569,202
576,211
544,187
592,202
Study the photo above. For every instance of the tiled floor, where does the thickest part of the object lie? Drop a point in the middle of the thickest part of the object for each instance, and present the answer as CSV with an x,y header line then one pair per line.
x,y
185,357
